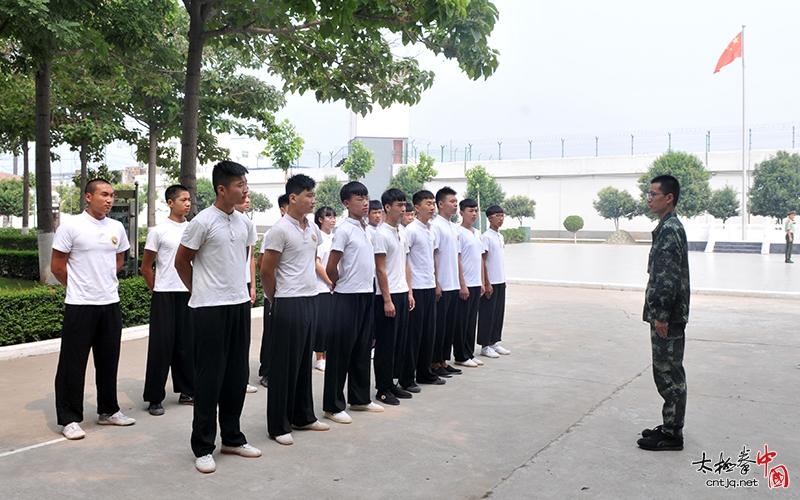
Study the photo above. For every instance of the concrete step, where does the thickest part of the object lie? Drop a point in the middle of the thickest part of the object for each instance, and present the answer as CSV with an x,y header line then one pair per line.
x,y
737,247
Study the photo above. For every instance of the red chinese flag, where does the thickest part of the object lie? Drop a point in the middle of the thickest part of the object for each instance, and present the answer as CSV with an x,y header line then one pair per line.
x,y
732,51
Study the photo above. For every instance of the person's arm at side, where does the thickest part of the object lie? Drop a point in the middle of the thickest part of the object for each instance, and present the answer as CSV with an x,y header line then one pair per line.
x,y
411,302
268,265
464,292
252,275
148,259
332,269
322,274
436,275
120,260
383,285
58,266
487,286
183,264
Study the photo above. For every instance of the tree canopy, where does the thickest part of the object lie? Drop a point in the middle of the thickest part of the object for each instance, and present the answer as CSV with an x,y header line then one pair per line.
x,y
284,146
776,186
724,203
412,178
327,194
258,203
359,162
692,176
483,188
520,207
611,203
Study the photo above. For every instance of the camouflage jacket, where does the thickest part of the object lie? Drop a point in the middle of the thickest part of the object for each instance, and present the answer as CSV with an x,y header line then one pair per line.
x,y
667,295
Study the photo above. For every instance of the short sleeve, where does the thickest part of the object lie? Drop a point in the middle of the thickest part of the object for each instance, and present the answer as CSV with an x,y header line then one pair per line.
x,y
380,243
340,240
194,235
274,240
153,240
252,237
124,244
485,242
63,239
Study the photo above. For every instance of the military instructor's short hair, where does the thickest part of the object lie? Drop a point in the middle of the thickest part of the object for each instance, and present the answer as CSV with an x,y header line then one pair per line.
x,y
669,185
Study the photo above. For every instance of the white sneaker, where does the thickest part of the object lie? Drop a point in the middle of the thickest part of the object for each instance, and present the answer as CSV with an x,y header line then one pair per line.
x,y
368,407
340,417
313,426
251,389
115,419
73,431
285,439
205,464
244,450
468,363
477,361
319,365
500,349
489,352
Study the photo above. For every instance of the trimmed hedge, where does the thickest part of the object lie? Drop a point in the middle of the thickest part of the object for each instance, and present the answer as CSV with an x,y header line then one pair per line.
x,y
38,313
21,264
14,241
513,235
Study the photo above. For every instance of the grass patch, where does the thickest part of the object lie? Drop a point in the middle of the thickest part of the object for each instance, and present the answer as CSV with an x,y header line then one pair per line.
x,y
11,283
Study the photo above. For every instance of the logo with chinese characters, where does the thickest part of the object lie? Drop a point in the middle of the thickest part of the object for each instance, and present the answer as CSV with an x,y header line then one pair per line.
x,y
777,476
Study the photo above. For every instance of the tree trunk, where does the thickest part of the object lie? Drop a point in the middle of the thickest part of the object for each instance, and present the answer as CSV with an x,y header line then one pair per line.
x,y
26,185
191,108
152,156
44,196
84,172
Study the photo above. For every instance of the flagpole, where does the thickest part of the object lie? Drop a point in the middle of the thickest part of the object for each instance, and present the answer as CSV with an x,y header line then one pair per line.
x,y
744,150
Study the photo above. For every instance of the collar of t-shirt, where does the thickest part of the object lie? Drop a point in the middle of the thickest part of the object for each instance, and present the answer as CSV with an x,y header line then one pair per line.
x,y
356,222
426,225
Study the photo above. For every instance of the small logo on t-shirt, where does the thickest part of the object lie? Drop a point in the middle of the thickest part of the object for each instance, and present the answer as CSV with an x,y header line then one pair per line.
x,y
114,240
314,238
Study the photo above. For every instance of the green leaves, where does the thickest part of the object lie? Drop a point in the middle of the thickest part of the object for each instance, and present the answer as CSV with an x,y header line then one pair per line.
x,y
519,207
284,146
613,204
359,161
692,176
327,194
724,203
483,188
776,186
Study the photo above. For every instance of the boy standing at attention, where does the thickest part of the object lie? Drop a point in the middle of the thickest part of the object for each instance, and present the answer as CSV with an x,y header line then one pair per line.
x,y
472,267
210,261
493,303
393,299
351,269
422,320
171,340
448,281
290,284
88,251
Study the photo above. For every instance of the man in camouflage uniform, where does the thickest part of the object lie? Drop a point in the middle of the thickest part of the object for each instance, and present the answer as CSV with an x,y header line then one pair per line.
x,y
666,308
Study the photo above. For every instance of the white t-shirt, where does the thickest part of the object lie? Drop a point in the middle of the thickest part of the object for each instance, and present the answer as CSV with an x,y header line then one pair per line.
x,y
357,264
296,272
447,257
92,246
471,255
391,241
164,240
324,253
421,244
222,242
494,244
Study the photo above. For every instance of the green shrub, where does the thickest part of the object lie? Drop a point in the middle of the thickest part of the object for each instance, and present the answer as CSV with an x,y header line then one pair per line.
x,y
31,315
22,264
573,223
134,299
18,241
515,235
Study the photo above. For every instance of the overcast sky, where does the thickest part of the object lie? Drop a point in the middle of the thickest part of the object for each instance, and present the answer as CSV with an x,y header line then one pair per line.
x,y
580,69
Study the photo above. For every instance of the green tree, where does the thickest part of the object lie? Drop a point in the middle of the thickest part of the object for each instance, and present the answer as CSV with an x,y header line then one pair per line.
x,y
692,176
776,186
327,194
69,198
724,204
258,203
206,196
10,199
359,162
520,207
340,50
284,146
611,203
113,177
17,127
483,188
412,178
573,224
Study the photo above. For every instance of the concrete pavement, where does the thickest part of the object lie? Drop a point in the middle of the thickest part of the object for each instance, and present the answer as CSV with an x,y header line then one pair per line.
x,y
558,418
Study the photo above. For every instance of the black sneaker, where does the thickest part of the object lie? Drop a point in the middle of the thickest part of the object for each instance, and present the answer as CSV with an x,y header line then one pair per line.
x,y
452,370
650,432
413,388
658,441
436,381
400,393
185,399
263,381
387,397
442,372
155,409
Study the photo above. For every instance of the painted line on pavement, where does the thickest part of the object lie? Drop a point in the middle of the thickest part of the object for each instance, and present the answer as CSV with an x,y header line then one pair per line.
x,y
32,447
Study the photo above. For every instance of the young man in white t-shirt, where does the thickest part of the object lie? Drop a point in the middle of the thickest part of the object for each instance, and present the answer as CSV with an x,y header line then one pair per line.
x,y
88,251
422,320
210,260
170,344
408,218
351,269
469,240
394,299
264,352
492,306
448,282
290,284
325,218
249,269
374,217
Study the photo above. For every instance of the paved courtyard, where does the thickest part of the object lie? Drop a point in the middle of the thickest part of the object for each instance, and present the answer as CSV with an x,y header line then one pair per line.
x,y
558,418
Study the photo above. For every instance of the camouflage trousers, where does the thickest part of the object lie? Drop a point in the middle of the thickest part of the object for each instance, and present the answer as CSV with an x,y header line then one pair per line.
x,y
670,376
